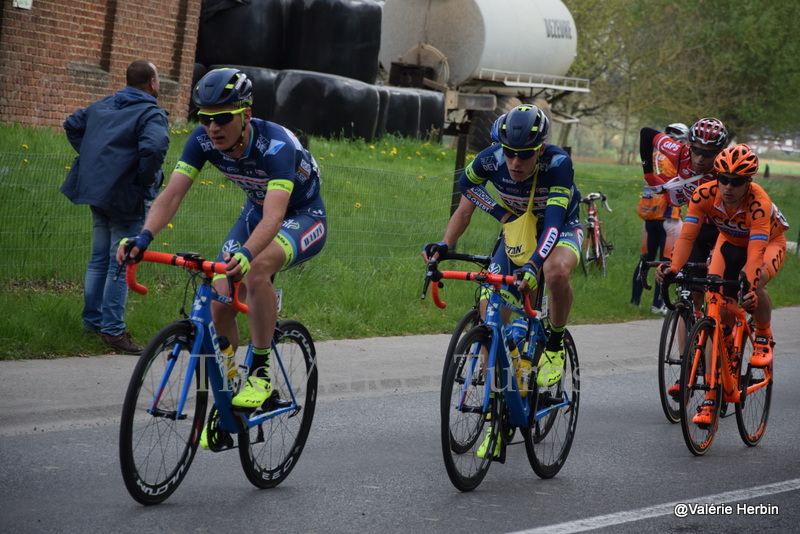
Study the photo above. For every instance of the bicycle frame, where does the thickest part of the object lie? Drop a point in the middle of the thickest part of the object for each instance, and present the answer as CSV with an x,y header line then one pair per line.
x,y
720,308
206,352
519,407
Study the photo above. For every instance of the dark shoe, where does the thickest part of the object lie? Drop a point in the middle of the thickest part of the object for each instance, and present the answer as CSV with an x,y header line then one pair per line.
x,y
123,342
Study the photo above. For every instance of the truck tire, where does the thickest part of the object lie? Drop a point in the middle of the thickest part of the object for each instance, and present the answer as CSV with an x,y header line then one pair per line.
x,y
480,123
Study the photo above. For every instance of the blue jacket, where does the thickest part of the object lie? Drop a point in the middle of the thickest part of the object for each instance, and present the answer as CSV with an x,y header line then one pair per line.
x,y
121,141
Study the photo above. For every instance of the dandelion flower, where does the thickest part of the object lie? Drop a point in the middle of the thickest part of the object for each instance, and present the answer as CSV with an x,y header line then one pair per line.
x,y
169,225
25,147
358,205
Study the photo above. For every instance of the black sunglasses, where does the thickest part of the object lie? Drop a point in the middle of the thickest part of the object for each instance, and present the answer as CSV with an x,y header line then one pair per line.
x,y
703,152
733,181
221,117
509,152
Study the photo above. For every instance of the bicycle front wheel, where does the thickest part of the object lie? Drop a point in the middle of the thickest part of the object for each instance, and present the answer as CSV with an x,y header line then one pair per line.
x,y
464,424
588,253
157,443
469,320
674,333
695,384
269,451
554,417
753,411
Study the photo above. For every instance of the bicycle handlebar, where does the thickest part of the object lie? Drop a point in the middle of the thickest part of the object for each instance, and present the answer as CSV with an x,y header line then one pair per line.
x,y
193,262
708,282
591,197
482,278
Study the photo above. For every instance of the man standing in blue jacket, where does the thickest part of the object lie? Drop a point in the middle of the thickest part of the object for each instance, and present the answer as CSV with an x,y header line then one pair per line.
x,y
121,141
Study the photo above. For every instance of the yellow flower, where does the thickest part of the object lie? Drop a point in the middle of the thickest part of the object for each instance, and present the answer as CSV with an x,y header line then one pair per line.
x,y
372,147
169,225
25,160
25,147
358,205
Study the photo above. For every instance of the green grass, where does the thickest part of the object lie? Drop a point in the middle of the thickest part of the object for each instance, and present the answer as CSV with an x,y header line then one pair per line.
x,y
385,200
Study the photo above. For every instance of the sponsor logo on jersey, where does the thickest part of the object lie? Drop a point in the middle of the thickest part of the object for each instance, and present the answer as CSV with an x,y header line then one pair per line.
x,y
274,146
549,241
291,224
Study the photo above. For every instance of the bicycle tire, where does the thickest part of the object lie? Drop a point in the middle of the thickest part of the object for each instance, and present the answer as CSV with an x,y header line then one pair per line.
x,y
753,412
694,386
462,431
269,451
674,332
587,252
603,252
549,440
156,449
468,321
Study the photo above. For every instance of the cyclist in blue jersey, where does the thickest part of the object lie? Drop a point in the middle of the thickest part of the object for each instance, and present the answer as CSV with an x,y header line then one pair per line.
x,y
282,224
520,162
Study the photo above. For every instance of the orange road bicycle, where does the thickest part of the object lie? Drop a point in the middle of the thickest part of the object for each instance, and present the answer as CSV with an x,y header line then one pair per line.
x,y
717,359
595,248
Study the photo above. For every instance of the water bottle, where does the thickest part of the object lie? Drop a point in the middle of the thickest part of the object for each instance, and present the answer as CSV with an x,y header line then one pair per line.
x,y
524,374
227,355
512,348
519,328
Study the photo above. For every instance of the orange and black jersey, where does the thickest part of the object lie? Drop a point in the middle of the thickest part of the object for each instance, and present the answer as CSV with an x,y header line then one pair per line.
x,y
753,225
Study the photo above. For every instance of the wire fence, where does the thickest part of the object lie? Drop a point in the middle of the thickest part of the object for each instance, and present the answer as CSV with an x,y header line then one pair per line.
x,y
374,217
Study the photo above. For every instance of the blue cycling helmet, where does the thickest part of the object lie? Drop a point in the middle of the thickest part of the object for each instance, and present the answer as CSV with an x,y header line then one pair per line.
x,y
223,87
525,126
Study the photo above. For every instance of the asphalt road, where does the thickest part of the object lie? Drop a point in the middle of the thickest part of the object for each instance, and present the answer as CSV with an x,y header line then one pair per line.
x,y
373,459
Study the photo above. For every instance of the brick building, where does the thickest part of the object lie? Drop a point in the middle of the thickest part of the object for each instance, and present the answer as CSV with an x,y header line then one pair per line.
x,y
57,56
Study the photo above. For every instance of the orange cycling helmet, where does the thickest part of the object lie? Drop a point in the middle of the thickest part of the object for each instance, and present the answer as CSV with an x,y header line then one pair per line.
x,y
738,159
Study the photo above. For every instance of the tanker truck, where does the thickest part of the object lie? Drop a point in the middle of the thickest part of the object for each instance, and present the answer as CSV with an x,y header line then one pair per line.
x,y
486,56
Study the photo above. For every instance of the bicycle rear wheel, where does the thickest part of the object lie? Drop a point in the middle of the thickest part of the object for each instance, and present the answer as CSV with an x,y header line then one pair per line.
x,y
548,440
695,385
674,333
463,429
269,451
156,443
752,413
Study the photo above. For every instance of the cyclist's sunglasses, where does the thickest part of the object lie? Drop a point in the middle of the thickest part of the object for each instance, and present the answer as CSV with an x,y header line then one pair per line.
x,y
220,117
521,153
697,151
731,180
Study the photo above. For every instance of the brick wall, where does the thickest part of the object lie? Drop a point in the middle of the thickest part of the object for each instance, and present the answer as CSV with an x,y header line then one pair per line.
x,y
62,55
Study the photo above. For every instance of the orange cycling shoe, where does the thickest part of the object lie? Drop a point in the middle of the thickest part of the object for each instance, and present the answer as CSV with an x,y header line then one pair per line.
x,y
705,411
674,391
762,352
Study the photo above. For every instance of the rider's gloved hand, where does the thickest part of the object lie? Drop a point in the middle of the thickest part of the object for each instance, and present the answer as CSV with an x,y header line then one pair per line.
x,y
435,248
749,301
527,273
244,257
664,272
141,242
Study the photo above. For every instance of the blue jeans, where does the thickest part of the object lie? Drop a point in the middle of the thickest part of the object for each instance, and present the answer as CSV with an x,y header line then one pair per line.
x,y
104,299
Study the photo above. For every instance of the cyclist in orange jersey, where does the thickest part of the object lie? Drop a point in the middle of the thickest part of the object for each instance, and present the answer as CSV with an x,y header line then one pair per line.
x,y
751,237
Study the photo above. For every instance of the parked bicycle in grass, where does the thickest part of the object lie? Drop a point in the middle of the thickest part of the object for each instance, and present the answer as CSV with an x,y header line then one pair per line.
x,y
595,247
164,413
488,393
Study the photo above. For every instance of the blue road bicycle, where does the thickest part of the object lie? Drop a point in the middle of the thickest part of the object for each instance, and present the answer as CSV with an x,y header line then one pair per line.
x,y
165,407
481,395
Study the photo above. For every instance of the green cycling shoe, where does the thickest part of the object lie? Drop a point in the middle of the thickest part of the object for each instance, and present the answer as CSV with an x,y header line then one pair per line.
x,y
551,365
255,393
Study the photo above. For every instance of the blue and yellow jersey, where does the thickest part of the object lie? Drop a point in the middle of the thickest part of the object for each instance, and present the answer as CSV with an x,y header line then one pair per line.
x,y
274,159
